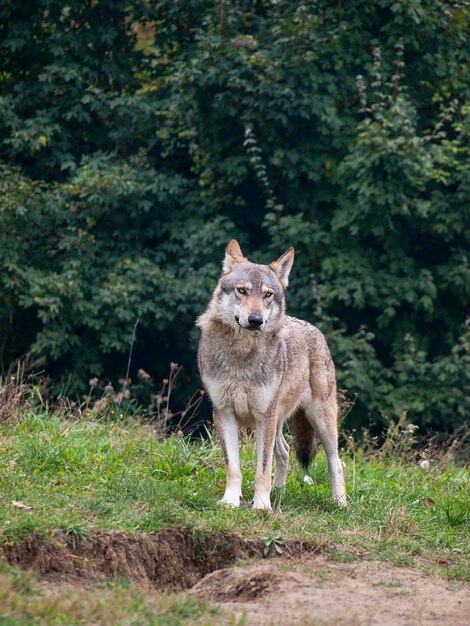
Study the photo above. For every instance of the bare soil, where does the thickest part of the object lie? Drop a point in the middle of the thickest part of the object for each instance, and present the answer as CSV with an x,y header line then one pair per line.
x,y
315,591
301,587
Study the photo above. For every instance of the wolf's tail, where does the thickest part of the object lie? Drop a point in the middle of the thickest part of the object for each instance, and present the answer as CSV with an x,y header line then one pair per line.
x,y
305,439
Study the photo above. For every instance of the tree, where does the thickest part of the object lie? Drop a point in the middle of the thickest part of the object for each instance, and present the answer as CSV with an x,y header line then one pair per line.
x,y
137,139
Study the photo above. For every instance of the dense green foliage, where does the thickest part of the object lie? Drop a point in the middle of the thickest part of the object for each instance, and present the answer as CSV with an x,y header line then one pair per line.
x,y
137,138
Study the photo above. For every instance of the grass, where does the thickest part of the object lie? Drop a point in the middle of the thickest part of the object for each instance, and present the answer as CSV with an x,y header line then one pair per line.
x,y
84,475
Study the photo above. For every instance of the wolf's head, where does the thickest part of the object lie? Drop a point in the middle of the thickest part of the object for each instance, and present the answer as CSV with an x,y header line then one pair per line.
x,y
252,295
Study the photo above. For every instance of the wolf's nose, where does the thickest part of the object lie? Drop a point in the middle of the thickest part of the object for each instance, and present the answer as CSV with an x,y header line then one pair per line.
x,y
255,320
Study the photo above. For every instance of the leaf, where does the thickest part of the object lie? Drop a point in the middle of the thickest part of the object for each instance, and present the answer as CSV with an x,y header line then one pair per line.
x,y
428,501
20,505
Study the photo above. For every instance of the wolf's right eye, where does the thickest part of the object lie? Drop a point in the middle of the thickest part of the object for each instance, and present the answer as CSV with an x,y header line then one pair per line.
x,y
241,290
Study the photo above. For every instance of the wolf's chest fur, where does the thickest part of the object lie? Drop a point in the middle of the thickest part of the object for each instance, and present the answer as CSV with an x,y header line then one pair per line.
x,y
242,377
246,401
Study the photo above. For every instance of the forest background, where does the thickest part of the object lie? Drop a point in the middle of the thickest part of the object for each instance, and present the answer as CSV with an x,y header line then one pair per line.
x,y
137,138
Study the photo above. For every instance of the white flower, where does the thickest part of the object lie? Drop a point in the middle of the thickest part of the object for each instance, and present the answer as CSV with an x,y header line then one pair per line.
x,y
424,464
308,480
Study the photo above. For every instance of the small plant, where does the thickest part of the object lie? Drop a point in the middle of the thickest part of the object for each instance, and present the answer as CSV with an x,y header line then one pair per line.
x,y
455,514
273,542
239,621
76,535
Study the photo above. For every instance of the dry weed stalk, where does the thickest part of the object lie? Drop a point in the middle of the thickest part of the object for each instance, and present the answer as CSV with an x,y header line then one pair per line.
x,y
122,402
13,399
402,442
161,405
345,404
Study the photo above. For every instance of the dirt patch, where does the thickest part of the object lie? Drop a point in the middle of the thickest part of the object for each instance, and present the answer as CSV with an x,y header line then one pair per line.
x,y
172,559
315,591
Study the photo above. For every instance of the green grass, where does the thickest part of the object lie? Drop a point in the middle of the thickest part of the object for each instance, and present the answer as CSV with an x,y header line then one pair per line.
x,y
84,475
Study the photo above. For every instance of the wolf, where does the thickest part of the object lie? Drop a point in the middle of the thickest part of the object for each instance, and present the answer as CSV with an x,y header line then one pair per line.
x,y
260,368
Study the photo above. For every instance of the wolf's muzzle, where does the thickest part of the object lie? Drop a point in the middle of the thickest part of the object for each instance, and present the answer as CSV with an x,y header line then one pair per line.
x,y
255,321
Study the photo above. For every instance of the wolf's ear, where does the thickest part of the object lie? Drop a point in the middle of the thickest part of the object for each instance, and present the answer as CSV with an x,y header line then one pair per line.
x,y
283,266
233,255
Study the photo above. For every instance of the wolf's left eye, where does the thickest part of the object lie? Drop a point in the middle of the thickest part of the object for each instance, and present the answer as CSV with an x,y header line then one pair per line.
x,y
268,294
241,290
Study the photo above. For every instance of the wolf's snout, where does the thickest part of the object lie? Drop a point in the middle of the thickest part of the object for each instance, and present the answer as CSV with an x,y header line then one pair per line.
x,y
255,320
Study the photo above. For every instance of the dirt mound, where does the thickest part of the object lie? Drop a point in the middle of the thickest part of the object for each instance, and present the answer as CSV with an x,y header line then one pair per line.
x,y
171,559
315,591
237,585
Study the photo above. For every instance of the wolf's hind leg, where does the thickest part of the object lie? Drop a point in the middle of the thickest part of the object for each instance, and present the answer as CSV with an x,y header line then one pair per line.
x,y
281,457
227,431
324,417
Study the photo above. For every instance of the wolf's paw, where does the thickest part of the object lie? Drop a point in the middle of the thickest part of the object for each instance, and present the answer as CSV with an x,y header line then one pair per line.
x,y
341,501
231,501
261,503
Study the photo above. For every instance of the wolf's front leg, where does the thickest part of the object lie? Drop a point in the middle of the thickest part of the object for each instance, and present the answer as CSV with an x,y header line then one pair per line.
x,y
265,436
281,457
227,431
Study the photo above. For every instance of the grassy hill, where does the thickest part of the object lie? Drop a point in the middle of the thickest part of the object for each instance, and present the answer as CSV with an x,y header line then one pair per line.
x,y
80,480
